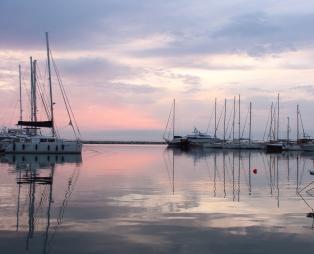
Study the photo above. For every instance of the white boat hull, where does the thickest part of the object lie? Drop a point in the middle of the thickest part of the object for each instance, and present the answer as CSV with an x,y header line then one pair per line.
x,y
56,147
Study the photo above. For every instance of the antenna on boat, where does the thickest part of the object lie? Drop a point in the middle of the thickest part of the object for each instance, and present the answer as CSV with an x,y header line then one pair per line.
x,y
50,87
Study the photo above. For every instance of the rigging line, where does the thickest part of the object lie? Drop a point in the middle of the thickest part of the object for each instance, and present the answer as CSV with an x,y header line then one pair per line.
x,y
222,110
210,119
244,127
275,120
302,124
64,99
26,90
234,116
165,130
228,122
266,128
67,99
42,91
271,121
13,115
28,97
42,79
298,193
67,104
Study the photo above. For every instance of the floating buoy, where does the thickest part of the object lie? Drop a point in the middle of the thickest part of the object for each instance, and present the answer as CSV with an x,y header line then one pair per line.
x,y
255,171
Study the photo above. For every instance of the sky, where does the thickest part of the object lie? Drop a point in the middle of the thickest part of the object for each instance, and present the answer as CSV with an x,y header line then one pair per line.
x,y
122,62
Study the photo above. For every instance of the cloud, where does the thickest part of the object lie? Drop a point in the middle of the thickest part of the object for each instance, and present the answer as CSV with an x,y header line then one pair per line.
x,y
94,67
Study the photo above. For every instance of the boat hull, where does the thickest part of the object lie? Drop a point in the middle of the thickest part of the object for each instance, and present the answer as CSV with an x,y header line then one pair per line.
x,y
56,147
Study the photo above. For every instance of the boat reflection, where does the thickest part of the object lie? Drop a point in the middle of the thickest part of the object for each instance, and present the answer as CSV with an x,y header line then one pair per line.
x,y
248,175
35,179
39,161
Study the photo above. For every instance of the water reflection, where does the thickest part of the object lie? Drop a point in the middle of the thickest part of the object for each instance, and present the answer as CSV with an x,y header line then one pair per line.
x,y
35,175
235,174
149,199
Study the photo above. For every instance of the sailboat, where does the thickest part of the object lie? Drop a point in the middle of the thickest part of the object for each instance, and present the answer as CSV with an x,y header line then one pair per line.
x,y
35,142
274,144
175,140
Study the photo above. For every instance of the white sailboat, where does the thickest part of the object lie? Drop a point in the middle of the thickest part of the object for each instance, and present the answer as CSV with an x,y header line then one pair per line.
x,y
35,142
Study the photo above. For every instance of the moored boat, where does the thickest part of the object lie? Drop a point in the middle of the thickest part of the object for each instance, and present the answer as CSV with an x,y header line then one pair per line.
x,y
34,141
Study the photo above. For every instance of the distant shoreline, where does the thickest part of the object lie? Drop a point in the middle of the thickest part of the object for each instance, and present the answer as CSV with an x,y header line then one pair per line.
x,y
124,142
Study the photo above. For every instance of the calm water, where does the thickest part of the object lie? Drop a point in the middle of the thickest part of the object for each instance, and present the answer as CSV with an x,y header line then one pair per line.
x,y
149,199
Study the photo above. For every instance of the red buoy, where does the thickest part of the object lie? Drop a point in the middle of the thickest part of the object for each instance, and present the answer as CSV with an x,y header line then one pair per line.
x,y
255,171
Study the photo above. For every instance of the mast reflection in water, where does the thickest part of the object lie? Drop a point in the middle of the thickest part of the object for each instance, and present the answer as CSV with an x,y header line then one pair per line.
x,y
150,199
35,175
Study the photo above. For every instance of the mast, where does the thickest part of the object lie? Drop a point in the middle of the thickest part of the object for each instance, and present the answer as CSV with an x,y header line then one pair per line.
x,y
271,122
250,129
50,86
32,88
215,118
288,129
174,117
233,122
239,120
298,134
20,83
35,93
278,117
225,120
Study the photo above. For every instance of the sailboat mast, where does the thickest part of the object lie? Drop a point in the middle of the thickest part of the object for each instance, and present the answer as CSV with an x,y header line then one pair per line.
x,y
225,111
233,122
215,133
298,134
32,88
278,117
239,119
288,129
271,122
50,86
174,117
20,83
250,129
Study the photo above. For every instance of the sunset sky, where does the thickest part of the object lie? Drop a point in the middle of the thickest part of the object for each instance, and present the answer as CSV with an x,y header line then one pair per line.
x,y
123,61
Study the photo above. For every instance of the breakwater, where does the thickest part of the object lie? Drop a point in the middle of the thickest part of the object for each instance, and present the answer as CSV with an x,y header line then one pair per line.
x,y
124,142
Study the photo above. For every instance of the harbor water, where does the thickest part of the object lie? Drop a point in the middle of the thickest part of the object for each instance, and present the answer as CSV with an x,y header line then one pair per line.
x,y
150,199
